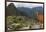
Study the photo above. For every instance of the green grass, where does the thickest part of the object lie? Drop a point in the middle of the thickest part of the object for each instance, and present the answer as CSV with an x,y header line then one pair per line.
x,y
16,22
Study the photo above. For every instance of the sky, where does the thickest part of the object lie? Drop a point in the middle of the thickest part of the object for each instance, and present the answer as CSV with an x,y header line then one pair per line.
x,y
30,0
29,5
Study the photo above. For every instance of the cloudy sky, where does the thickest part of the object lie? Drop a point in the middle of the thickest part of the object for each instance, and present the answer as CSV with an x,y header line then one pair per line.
x,y
29,0
29,5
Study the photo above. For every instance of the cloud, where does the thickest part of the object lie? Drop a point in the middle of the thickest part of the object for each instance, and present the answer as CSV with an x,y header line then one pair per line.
x,y
29,5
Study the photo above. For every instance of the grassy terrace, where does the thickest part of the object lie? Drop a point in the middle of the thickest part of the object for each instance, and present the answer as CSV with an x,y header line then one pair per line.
x,y
21,23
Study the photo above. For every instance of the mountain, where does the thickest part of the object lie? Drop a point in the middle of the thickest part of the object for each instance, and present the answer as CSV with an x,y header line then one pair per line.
x,y
37,9
25,11
10,10
29,11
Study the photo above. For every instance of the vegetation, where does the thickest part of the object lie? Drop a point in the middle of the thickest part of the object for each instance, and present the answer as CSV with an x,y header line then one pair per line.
x,y
20,17
17,22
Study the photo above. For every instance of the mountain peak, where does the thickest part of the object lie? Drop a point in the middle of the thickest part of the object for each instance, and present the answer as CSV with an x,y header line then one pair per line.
x,y
11,5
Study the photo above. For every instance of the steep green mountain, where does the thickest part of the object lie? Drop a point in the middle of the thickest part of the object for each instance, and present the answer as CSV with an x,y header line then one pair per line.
x,y
11,10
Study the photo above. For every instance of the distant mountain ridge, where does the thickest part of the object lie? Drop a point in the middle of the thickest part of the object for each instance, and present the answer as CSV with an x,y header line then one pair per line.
x,y
23,11
30,11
